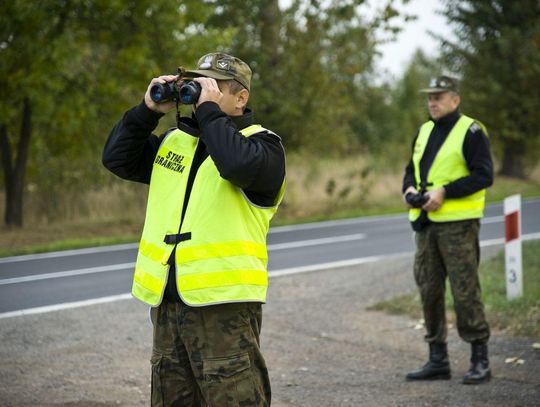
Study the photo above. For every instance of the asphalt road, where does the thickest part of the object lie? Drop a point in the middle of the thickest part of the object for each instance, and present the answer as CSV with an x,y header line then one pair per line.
x,y
37,283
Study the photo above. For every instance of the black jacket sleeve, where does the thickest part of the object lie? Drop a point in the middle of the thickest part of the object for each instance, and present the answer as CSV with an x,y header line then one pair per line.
x,y
476,151
131,147
256,164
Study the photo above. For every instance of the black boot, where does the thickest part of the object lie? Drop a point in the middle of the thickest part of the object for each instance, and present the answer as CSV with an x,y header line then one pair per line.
x,y
479,372
437,368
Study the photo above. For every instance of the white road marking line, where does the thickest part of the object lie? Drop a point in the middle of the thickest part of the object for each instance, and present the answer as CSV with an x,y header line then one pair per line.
x,y
315,242
271,274
127,296
65,305
280,246
67,273
122,266
495,242
492,219
334,264
66,253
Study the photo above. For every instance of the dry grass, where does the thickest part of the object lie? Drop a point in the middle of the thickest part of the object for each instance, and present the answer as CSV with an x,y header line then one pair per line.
x,y
113,214
323,187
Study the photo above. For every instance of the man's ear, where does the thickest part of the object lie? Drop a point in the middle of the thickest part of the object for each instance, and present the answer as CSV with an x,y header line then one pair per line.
x,y
242,98
457,100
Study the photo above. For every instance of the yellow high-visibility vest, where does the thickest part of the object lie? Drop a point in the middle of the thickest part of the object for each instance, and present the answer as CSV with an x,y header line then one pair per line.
x,y
448,165
224,258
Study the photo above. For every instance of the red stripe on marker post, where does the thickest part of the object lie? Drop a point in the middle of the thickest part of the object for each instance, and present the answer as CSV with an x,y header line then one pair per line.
x,y
511,226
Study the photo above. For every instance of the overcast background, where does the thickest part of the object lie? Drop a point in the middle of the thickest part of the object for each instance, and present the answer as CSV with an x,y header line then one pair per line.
x,y
396,55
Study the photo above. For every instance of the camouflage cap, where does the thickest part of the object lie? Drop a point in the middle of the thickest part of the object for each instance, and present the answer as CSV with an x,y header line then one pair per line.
x,y
222,67
441,84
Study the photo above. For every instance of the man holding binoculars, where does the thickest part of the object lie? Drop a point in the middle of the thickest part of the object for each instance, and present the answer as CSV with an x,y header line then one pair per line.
x,y
215,182
444,189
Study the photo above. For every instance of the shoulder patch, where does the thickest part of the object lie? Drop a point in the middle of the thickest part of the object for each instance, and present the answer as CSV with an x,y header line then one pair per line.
x,y
474,127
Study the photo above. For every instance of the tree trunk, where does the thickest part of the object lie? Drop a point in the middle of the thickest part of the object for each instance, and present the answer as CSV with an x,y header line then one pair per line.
x,y
14,172
270,17
513,158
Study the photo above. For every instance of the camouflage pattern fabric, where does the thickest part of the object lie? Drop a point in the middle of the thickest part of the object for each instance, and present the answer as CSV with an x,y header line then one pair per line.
x,y
208,356
450,249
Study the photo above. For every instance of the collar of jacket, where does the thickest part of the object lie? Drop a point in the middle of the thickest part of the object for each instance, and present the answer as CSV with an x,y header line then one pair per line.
x,y
449,120
190,125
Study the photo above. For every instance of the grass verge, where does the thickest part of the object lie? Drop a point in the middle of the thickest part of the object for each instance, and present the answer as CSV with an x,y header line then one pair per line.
x,y
68,235
68,244
519,317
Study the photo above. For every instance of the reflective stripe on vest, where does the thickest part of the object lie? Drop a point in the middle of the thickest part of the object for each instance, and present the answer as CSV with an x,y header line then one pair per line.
x,y
448,165
226,258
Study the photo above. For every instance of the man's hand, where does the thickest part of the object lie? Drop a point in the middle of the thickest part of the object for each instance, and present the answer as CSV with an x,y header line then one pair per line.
x,y
436,198
160,107
210,91
410,189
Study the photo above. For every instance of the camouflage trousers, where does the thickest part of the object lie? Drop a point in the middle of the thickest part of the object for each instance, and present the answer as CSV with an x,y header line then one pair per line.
x,y
450,249
208,356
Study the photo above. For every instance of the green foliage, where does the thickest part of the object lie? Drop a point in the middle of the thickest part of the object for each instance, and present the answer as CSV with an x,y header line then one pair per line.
x,y
407,110
389,115
82,64
410,104
497,51
312,63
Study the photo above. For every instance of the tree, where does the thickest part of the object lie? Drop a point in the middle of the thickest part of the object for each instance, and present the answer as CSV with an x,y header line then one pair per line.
x,y
70,68
497,51
410,104
312,62
67,71
14,166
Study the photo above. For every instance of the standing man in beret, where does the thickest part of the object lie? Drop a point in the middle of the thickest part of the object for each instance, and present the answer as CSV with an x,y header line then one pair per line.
x,y
215,182
444,188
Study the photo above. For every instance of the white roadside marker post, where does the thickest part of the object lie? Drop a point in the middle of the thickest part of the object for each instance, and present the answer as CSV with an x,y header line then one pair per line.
x,y
512,250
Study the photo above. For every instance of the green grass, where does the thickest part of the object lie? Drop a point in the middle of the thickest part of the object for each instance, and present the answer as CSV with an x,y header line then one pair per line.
x,y
520,317
341,214
505,186
68,244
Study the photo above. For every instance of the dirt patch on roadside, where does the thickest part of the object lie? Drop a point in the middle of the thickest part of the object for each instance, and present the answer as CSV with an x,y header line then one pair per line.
x,y
322,348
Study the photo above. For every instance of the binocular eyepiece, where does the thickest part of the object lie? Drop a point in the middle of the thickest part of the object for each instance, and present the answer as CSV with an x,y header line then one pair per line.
x,y
187,94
